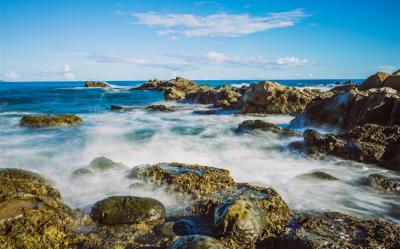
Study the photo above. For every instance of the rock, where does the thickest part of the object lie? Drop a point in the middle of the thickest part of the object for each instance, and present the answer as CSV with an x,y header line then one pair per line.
x,y
251,125
154,84
184,227
31,213
273,98
349,109
336,230
103,164
118,210
196,242
185,178
120,108
383,183
318,175
392,81
240,219
49,120
225,97
368,144
396,72
161,108
174,94
374,81
101,84
82,171
344,88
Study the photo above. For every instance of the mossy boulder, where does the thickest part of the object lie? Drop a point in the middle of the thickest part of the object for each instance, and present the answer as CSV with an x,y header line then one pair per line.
x,y
184,178
118,210
383,183
49,120
261,125
31,212
241,220
196,242
98,84
161,108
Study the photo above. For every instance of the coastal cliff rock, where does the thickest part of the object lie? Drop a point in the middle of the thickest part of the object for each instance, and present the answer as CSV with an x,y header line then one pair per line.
x,y
374,81
393,81
260,125
348,109
49,120
31,212
368,144
273,98
98,84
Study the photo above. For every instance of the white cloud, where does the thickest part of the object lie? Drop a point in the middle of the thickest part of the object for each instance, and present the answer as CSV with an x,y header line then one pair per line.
x,y
11,75
291,61
388,69
68,73
220,24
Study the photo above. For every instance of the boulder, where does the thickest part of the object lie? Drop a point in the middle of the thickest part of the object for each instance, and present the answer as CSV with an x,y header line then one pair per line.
x,y
392,81
100,84
349,109
161,108
184,178
31,212
103,164
225,97
49,120
196,242
336,230
241,220
383,183
368,144
260,125
374,81
118,210
273,98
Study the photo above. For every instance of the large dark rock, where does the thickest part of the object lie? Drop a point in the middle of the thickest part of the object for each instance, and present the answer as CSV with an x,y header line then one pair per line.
x,y
185,178
336,230
374,81
383,183
260,125
369,144
393,81
273,98
31,212
39,121
101,84
196,242
161,108
119,210
349,109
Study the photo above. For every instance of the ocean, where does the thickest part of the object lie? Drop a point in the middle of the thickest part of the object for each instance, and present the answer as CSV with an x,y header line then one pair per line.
x,y
140,137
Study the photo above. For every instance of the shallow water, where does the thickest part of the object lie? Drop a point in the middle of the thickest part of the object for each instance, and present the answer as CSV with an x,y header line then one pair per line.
x,y
141,137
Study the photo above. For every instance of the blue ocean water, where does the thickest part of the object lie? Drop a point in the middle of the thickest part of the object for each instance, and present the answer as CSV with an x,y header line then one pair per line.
x,y
141,137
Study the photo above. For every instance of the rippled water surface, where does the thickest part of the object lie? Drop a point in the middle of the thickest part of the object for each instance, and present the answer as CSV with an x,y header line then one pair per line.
x,y
141,137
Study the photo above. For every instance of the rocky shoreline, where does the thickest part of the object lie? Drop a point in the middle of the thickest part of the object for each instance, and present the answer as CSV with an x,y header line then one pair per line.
x,y
219,212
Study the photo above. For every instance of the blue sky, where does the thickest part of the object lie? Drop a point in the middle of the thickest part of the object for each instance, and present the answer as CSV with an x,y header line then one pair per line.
x,y
43,40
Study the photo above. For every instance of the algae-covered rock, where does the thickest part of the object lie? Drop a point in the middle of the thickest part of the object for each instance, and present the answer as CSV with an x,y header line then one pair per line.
x,y
101,84
31,213
48,120
119,210
240,219
120,108
383,183
196,242
336,230
260,125
185,178
161,108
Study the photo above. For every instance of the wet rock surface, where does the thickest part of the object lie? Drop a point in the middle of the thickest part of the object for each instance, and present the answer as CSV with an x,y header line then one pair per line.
x,y
118,210
383,183
99,164
98,84
161,108
318,175
196,242
50,120
273,98
260,125
120,108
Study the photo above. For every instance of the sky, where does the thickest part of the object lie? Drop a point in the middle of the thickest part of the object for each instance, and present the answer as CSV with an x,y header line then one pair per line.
x,y
55,40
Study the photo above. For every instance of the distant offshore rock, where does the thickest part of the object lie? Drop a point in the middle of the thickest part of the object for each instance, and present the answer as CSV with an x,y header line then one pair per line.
x,y
50,120
98,84
160,108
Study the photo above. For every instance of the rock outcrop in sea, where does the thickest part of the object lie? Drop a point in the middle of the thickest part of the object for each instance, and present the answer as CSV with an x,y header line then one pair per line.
x,y
97,84
49,120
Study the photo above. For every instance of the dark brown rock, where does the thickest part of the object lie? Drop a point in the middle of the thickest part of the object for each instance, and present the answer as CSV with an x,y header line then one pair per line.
x,y
161,108
251,125
374,81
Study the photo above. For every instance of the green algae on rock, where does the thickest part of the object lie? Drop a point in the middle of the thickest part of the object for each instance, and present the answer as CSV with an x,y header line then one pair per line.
x,y
117,210
196,242
49,120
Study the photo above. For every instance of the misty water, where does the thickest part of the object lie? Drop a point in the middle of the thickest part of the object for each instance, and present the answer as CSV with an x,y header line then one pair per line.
x,y
141,137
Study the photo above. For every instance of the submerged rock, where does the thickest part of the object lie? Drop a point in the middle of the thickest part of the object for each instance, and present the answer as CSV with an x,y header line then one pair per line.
x,y
240,219
349,109
196,242
118,210
318,175
102,164
101,84
31,213
383,183
336,230
120,108
49,120
251,125
161,108
369,144
185,178
273,98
